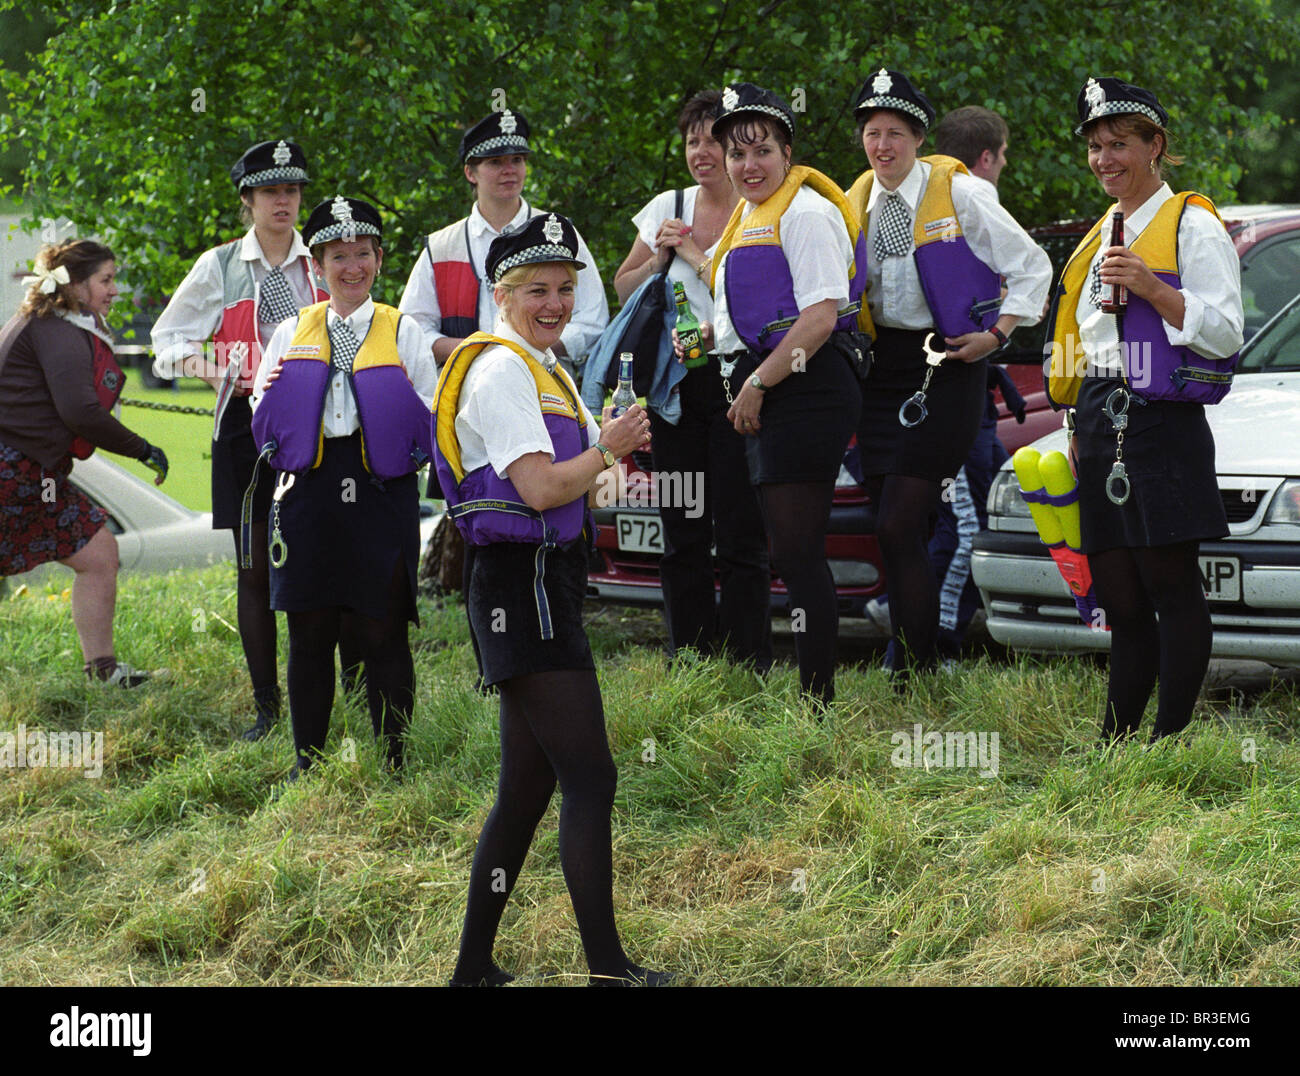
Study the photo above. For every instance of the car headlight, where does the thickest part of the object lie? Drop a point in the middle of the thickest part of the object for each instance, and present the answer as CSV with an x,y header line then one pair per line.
x,y
1004,496
1286,503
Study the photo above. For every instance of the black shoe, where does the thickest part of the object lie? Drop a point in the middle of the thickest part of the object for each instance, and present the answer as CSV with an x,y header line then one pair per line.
x,y
267,701
496,977
634,976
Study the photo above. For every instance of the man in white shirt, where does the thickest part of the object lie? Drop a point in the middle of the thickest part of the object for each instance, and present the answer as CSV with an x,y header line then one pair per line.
x,y
448,293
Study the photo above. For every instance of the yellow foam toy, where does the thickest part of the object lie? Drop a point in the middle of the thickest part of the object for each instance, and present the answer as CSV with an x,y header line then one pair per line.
x,y
1054,469
1026,462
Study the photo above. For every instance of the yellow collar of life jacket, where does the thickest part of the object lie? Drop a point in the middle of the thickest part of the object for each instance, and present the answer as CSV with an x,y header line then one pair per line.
x,y
556,392
936,216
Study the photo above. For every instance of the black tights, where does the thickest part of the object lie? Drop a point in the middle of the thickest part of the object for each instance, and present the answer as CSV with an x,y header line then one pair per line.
x,y
905,507
552,727
796,516
257,629
1154,602
390,672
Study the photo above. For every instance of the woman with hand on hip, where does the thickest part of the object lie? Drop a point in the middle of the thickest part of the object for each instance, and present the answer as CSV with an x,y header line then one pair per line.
x,y
699,439
1138,380
517,457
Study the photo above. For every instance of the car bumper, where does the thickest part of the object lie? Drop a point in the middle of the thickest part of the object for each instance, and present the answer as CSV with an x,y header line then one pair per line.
x,y
1030,608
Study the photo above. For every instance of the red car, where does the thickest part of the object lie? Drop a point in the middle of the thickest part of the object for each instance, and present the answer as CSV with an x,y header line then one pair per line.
x,y
629,540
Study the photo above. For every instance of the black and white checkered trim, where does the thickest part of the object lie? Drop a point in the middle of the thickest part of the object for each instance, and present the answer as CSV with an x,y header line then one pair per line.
x,y
544,252
768,109
498,146
338,231
272,176
1113,108
898,104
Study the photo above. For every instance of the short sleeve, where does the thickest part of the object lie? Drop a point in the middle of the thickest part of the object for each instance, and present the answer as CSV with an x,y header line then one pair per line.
x,y
817,248
498,419
653,214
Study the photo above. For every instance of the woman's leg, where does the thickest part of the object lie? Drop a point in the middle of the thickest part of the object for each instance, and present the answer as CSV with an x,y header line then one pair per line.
x,y
1172,577
796,515
390,671
257,632
1134,640
94,595
313,635
904,507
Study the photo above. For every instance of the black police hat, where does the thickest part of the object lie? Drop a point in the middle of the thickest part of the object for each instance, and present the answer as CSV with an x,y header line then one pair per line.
x,y
1101,97
342,218
893,90
546,238
270,162
744,100
496,135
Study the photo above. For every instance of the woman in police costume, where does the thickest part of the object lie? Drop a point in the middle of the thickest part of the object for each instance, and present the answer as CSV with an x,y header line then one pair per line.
x,y
340,407
516,455
237,294
788,273
1139,381
939,252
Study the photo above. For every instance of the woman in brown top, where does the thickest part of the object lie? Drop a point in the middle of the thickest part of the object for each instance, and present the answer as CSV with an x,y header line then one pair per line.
x,y
58,379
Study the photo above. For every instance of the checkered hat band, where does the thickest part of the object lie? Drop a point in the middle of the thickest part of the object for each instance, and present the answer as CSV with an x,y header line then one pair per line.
x,y
499,145
338,231
898,104
546,252
768,109
1111,108
274,175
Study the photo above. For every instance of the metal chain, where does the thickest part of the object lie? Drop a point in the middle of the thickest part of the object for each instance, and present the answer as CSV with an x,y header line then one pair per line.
x,y
178,408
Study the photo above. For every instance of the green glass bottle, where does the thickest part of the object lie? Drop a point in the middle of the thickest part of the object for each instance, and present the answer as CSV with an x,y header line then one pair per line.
x,y
688,329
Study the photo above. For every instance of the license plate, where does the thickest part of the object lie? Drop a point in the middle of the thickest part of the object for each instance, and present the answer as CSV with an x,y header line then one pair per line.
x,y
640,534
1221,577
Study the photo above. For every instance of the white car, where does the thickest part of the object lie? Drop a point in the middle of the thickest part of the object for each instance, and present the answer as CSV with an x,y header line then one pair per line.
x,y
154,532
1252,577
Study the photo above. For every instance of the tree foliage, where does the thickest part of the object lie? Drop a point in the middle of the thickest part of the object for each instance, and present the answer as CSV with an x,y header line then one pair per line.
x,y
134,111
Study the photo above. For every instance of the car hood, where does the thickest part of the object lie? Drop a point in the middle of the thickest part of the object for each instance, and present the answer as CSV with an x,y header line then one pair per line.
x,y
1254,427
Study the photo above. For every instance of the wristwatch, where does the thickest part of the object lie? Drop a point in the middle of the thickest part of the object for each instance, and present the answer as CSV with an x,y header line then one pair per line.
x,y
610,458
1000,337
754,380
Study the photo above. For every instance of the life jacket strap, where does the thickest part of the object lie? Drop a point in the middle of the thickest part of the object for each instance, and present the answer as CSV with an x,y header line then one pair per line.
x,y
783,324
246,509
1059,500
489,504
539,586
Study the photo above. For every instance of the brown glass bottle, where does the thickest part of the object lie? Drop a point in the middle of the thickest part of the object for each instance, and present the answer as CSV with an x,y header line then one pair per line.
x,y
1114,297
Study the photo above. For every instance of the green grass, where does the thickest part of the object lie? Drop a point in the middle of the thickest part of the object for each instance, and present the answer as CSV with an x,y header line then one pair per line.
x,y
187,439
758,846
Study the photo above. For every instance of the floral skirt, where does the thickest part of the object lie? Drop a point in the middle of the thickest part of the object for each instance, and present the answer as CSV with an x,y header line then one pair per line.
x,y
42,516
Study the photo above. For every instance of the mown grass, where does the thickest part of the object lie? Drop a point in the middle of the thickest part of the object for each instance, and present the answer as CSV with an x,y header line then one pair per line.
x,y
754,846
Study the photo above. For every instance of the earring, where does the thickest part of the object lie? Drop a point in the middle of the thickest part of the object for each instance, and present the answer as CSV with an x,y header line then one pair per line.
x,y
1151,166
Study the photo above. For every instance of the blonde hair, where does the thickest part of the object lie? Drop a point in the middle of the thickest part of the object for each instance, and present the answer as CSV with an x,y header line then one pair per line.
x,y
81,258
523,275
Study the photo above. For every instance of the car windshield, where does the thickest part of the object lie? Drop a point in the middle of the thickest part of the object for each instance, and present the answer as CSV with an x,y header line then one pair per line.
x,y
1277,347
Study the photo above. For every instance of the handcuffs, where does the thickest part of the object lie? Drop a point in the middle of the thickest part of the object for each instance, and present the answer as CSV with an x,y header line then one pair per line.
x,y
916,402
1116,409
279,552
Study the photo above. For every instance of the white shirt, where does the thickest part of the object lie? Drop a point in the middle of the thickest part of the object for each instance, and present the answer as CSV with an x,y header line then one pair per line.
x,y
198,303
340,417
894,286
1210,275
590,307
655,212
497,418
817,249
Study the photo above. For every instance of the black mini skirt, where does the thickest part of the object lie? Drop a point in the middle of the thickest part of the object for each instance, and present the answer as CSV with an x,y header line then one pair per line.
x,y
954,402
1169,457
233,458
509,617
805,422
345,533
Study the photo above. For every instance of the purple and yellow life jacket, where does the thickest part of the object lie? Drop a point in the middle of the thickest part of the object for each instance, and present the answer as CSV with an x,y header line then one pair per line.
x,y
1153,367
963,294
486,507
760,288
288,423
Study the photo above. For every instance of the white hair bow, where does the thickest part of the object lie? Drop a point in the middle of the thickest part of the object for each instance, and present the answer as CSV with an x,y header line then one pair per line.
x,y
47,278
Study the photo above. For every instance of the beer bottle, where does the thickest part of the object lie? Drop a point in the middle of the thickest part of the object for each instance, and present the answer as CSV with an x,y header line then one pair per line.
x,y
624,396
1114,297
688,329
